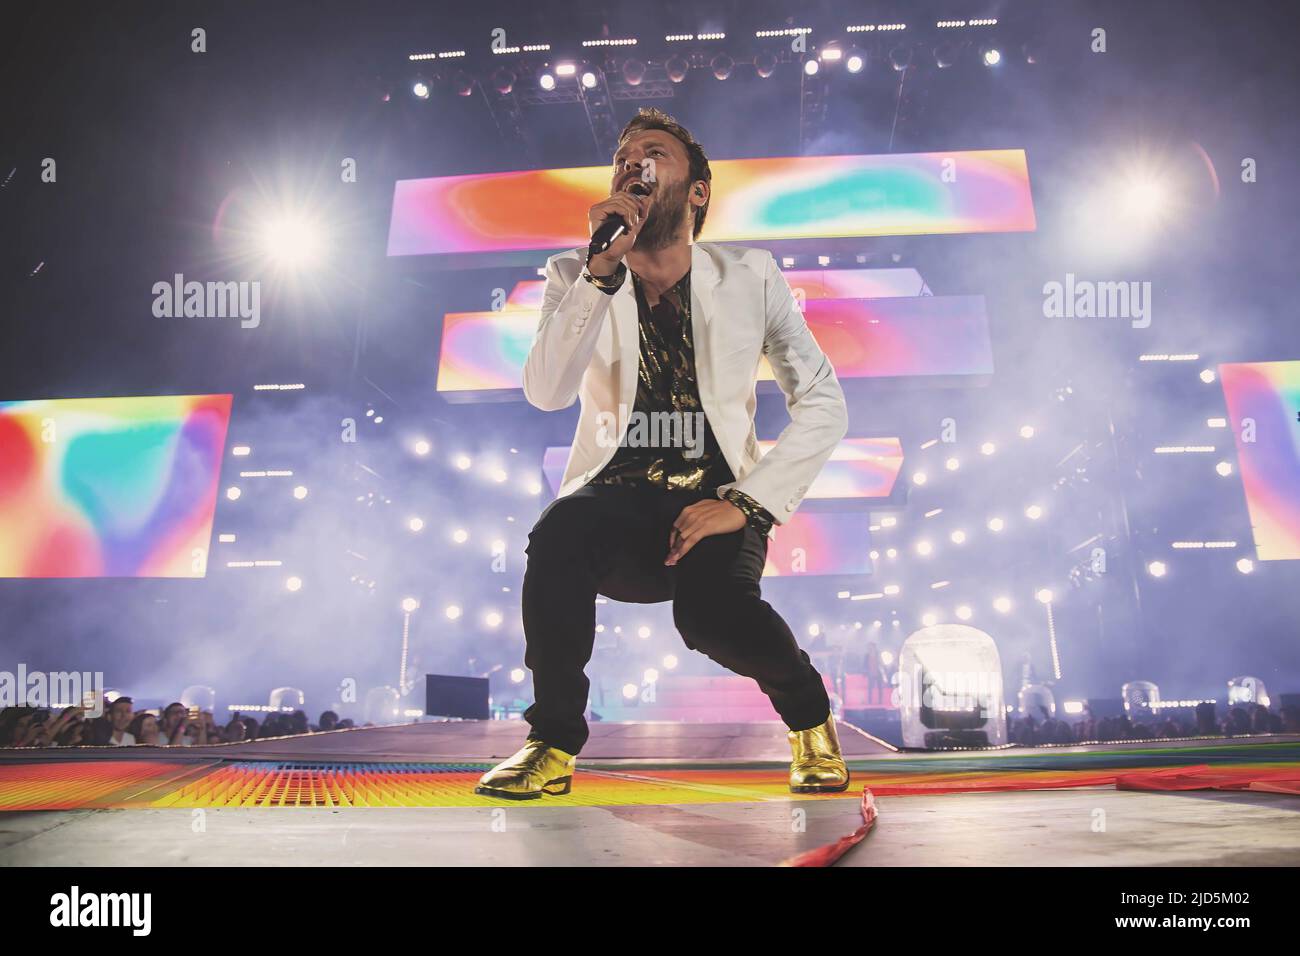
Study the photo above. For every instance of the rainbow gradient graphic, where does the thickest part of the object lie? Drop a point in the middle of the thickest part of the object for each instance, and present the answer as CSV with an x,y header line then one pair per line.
x,y
820,542
799,197
896,336
110,487
1268,393
923,335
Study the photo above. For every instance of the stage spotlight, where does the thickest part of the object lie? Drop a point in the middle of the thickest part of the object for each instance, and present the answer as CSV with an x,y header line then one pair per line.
x,y
643,631
410,604
589,79
952,464
670,661
1144,196
517,675
855,61
831,54
1245,565
929,619
888,521
492,619
499,475
463,462
1207,376
546,81
462,83
1034,512
676,68
924,548
958,537
764,64
964,613
292,241
460,536
890,589
1026,431
300,492
990,55
1044,595
422,447
1224,468
629,691
452,612
891,553
1002,604
1157,569
565,69
918,478
633,72
503,81
650,676
233,493
416,524
810,67
988,448
294,583
900,57
945,55
722,66
420,89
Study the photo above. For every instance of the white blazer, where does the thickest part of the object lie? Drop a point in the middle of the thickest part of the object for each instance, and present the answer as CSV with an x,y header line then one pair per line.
x,y
587,347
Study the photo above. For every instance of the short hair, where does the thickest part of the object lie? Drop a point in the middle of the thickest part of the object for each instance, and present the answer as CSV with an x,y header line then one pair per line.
x,y
651,117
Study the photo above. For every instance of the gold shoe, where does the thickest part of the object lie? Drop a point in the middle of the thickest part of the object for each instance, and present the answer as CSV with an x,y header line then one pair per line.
x,y
817,766
535,769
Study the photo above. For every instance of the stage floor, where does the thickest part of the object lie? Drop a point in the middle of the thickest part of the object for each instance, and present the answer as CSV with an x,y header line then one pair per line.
x,y
1052,828
670,794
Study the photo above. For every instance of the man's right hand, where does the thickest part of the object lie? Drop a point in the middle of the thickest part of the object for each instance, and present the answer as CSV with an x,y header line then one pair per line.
x,y
632,209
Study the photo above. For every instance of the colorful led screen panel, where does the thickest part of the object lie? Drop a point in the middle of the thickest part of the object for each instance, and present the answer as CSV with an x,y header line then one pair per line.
x,y
855,283
923,335
800,197
820,542
895,337
1263,401
110,487
858,468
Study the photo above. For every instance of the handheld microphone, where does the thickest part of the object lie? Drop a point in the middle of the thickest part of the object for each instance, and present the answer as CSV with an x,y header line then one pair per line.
x,y
605,234
609,230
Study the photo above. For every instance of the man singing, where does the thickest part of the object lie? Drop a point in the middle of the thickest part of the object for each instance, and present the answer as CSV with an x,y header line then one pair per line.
x,y
665,495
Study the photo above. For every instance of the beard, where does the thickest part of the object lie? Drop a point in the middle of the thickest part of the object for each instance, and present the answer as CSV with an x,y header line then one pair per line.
x,y
665,219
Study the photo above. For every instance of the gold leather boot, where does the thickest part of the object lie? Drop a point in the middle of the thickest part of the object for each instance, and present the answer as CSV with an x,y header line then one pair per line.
x,y
817,766
533,770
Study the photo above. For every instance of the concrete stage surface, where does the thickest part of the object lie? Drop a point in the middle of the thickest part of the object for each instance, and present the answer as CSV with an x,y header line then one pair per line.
x,y
658,794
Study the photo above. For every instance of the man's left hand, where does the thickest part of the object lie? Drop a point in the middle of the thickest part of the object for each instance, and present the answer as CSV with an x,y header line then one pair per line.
x,y
706,517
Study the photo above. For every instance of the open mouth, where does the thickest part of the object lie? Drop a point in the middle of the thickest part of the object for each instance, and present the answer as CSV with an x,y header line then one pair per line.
x,y
637,187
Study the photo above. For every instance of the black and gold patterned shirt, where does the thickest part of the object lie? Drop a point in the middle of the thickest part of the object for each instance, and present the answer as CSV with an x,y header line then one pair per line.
x,y
685,456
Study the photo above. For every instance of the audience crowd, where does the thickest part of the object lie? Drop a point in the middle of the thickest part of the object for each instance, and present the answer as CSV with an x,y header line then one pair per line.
x,y
122,725
1241,720
181,726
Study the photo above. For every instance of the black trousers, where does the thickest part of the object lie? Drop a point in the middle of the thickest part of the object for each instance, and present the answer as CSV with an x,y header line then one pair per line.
x,y
612,540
